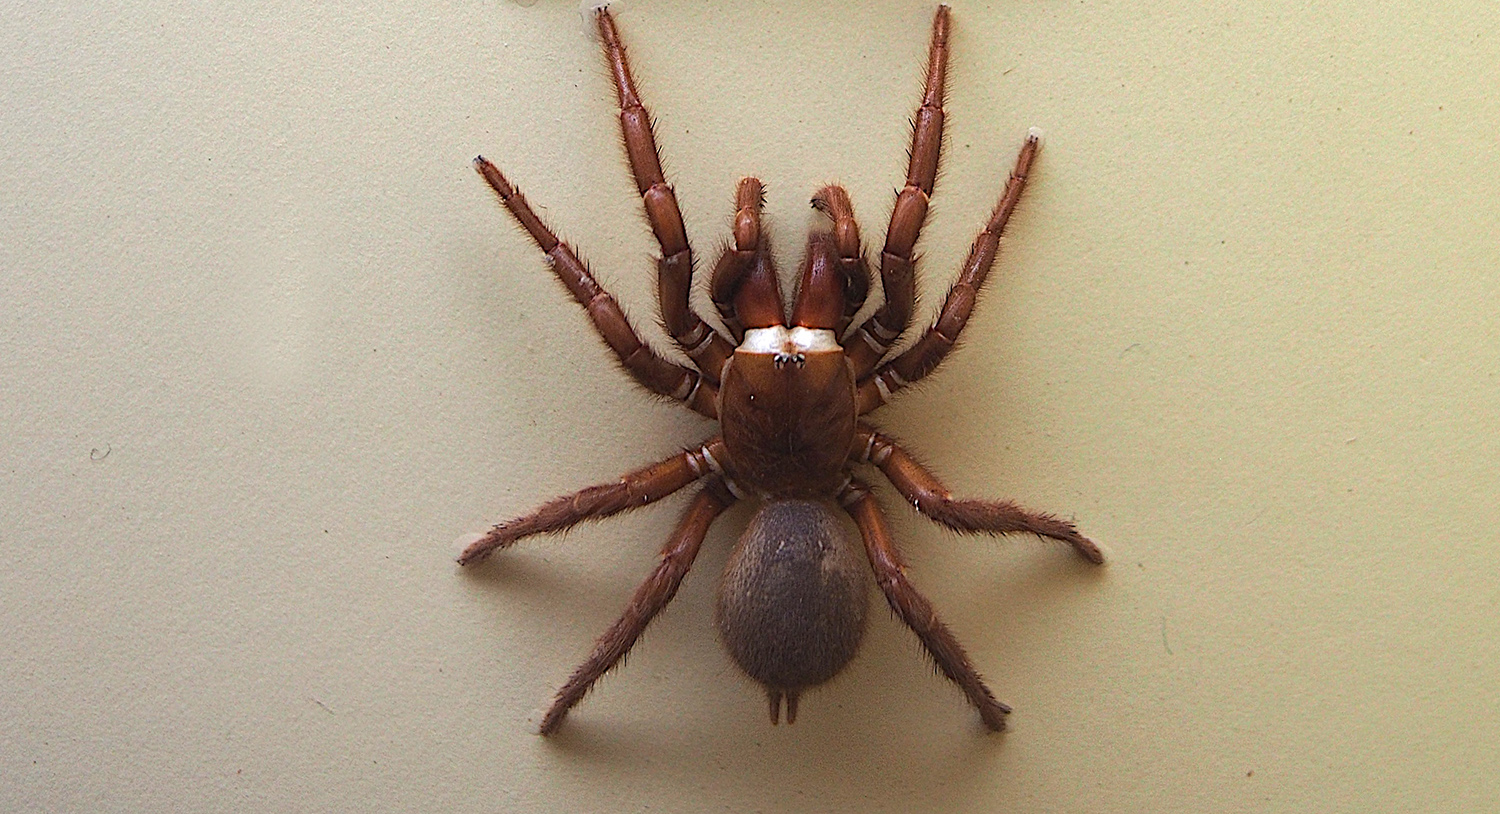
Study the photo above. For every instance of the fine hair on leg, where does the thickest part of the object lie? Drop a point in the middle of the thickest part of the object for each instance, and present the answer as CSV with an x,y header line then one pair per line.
x,y
633,490
932,499
923,356
657,374
676,558
914,609
701,343
898,273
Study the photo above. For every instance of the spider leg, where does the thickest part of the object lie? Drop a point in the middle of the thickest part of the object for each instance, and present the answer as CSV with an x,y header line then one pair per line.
x,y
744,286
833,201
674,280
923,490
659,375
869,343
652,595
922,357
633,490
913,607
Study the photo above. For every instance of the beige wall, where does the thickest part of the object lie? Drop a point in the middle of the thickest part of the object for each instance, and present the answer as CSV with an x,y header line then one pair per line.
x,y
269,349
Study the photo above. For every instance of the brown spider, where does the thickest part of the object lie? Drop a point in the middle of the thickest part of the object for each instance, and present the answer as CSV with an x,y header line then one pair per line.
x,y
789,399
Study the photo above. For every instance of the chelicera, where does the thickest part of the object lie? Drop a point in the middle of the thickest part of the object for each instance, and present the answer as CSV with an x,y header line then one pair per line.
x,y
791,396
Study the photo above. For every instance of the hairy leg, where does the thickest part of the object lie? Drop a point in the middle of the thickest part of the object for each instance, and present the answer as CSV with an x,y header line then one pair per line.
x,y
870,342
923,490
915,610
921,358
652,595
635,489
707,349
659,375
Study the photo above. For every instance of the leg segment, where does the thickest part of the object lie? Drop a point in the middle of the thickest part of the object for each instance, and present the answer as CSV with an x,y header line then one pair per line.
x,y
915,610
655,373
921,358
897,265
635,489
707,349
653,595
922,489
744,286
834,202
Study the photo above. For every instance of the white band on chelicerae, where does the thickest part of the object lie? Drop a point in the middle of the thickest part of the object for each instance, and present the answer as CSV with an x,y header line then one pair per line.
x,y
780,339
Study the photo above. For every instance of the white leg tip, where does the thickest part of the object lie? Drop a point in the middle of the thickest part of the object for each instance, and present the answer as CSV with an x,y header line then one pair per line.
x,y
462,544
588,12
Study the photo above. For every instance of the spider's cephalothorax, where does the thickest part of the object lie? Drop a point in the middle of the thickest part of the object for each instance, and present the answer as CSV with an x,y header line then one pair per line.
x,y
788,397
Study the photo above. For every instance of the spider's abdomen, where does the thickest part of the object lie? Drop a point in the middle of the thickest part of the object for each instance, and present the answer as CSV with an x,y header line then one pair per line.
x,y
786,407
794,597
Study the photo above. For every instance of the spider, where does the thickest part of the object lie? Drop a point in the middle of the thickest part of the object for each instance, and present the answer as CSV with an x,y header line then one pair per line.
x,y
790,396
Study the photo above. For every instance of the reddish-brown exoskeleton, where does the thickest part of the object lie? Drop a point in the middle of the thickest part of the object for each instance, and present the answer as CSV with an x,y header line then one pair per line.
x,y
789,398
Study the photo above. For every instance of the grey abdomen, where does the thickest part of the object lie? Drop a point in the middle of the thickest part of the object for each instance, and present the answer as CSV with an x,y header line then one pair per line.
x,y
795,595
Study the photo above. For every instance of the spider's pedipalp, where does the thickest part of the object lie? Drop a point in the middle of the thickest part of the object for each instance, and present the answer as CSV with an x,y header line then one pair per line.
x,y
833,201
744,286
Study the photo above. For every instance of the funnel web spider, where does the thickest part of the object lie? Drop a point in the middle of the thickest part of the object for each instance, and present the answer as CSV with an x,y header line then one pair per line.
x,y
791,396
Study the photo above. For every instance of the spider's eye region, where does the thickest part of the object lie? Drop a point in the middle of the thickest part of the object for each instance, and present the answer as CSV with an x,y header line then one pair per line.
x,y
781,360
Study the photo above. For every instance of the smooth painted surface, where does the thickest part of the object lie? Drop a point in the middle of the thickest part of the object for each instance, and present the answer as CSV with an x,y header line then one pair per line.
x,y
268,349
